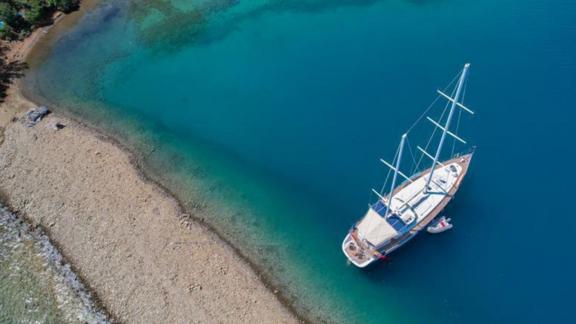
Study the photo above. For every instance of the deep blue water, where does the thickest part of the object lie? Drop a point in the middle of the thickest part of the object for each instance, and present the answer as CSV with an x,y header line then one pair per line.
x,y
273,114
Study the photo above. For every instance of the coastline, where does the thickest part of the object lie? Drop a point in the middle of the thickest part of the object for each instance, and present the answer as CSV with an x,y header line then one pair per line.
x,y
58,280
234,284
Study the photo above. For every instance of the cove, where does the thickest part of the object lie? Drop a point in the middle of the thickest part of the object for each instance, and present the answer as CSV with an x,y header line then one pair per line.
x,y
268,119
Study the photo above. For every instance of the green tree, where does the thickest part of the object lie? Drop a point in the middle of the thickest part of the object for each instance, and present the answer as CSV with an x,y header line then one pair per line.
x,y
63,5
7,13
20,17
7,32
35,13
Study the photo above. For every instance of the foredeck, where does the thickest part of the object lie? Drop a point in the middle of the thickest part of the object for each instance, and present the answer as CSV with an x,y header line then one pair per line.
x,y
464,162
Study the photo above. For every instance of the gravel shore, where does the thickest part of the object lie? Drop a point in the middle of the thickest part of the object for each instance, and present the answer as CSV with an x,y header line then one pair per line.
x,y
125,236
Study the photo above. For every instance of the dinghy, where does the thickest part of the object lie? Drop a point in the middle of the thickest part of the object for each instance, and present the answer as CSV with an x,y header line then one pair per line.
x,y
441,225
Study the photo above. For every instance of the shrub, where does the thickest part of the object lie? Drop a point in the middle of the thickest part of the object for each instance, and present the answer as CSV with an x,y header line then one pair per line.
x,y
64,5
7,13
22,16
7,32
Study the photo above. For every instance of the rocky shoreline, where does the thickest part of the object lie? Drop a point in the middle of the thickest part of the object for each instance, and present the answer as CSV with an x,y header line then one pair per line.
x,y
73,295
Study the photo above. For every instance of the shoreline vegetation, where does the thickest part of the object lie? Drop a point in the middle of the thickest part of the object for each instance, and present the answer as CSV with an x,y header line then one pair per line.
x,y
19,18
127,238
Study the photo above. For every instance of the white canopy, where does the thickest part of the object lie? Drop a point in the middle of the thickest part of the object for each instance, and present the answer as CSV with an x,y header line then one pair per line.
x,y
375,229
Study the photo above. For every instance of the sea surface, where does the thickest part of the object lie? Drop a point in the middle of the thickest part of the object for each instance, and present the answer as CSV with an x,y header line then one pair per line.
x,y
267,119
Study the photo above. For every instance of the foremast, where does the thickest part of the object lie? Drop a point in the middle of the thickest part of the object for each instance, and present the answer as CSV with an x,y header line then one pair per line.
x,y
395,176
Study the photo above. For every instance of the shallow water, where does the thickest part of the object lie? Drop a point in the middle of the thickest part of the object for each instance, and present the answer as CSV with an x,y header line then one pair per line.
x,y
267,118
36,285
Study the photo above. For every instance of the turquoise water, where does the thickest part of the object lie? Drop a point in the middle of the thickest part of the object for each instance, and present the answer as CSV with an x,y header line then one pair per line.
x,y
267,119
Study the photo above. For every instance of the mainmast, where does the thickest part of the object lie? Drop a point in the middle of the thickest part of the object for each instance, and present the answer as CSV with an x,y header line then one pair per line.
x,y
445,129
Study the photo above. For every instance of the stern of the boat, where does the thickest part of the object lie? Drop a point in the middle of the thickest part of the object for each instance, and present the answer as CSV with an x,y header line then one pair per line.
x,y
358,253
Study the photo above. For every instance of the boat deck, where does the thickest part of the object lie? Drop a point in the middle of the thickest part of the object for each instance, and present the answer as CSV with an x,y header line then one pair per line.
x,y
358,252
464,162
361,253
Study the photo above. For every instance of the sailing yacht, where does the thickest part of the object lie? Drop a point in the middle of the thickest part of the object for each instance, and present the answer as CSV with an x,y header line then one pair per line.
x,y
396,217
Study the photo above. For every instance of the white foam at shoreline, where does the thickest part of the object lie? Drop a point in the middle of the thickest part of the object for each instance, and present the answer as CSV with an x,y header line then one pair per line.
x,y
73,299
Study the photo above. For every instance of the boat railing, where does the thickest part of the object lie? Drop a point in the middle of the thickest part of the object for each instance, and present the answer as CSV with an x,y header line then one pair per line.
x,y
465,152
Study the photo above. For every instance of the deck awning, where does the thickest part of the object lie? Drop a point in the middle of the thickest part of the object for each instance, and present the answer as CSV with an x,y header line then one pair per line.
x,y
375,229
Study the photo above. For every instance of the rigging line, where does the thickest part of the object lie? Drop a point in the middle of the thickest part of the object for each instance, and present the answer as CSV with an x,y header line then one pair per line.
x,y
417,165
390,170
452,94
386,180
456,131
423,115
410,150
458,120
431,138
432,104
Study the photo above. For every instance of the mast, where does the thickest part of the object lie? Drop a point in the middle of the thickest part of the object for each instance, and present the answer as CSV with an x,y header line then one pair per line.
x,y
396,168
447,125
